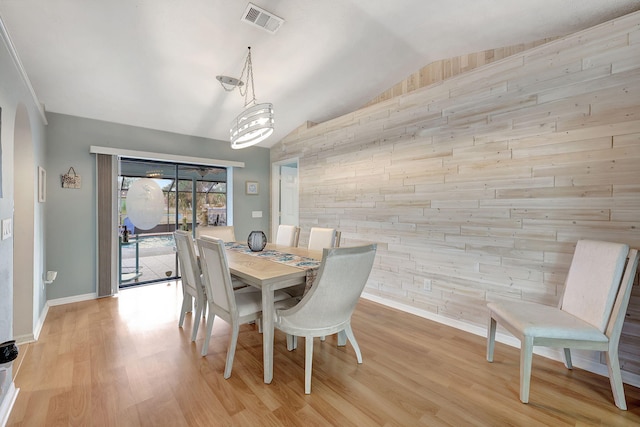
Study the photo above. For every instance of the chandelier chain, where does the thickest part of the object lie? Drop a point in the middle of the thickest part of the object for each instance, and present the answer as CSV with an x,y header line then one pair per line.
x,y
248,68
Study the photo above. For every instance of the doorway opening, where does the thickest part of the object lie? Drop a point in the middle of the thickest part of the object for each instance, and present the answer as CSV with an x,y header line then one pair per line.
x,y
192,196
285,198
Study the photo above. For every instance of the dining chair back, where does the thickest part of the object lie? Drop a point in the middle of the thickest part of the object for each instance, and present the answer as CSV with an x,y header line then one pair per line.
x,y
287,235
192,287
235,307
226,233
589,316
320,238
328,305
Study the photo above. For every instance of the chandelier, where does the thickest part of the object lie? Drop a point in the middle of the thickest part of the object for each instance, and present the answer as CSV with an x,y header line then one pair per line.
x,y
255,123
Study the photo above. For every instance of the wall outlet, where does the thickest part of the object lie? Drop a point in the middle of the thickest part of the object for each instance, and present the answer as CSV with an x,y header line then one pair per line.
x,y
427,285
256,214
7,229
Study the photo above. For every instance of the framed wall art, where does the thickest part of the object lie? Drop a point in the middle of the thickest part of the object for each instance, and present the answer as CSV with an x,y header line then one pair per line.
x,y
252,187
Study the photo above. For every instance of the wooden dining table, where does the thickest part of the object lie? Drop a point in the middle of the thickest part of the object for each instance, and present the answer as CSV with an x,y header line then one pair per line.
x,y
269,276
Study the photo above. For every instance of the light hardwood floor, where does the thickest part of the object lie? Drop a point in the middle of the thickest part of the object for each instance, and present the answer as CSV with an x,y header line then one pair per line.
x,y
124,362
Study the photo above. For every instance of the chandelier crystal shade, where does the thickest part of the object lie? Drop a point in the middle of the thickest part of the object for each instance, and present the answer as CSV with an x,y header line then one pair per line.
x,y
254,124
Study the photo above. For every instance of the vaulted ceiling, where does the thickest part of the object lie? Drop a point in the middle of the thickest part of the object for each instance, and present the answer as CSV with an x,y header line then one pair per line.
x,y
153,63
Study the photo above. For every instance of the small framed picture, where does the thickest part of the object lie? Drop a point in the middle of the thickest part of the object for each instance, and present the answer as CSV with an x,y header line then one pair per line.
x,y
252,187
42,185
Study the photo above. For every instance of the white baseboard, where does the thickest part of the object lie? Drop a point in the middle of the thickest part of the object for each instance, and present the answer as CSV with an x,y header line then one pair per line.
x,y
550,353
7,404
24,339
69,300
29,338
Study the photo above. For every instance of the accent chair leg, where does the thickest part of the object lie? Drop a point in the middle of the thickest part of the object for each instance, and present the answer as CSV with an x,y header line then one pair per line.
x,y
342,339
292,342
308,362
352,339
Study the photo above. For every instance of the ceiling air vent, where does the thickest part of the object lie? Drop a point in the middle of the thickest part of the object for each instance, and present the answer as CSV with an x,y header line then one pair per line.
x,y
261,18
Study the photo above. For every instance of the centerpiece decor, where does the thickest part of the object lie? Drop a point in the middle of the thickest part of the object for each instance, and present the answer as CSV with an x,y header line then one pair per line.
x,y
257,241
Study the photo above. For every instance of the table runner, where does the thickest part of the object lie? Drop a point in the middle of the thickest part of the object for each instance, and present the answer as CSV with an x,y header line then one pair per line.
x,y
309,264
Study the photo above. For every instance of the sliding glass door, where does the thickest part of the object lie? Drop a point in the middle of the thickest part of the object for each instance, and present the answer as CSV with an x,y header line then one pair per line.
x,y
192,196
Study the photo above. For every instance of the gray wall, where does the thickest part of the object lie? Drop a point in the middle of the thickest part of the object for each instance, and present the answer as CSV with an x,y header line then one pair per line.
x,y
71,213
14,97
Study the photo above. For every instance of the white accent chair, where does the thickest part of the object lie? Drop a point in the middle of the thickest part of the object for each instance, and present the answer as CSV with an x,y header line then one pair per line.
x,y
236,307
192,287
590,314
327,307
226,233
320,238
288,235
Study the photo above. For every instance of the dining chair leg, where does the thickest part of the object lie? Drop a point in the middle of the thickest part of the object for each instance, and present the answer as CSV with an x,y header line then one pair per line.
x,y
205,345
526,358
196,321
567,358
231,351
186,306
308,359
352,339
615,378
491,338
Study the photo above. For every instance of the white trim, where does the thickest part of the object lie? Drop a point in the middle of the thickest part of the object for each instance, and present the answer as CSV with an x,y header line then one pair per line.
x,y
4,35
40,324
550,353
69,300
147,155
7,403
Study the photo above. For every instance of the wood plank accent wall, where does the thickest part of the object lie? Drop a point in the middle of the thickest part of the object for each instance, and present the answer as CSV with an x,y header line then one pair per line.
x,y
477,187
447,68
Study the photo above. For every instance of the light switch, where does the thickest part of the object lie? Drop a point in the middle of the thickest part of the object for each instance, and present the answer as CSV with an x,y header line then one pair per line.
x,y
256,214
6,228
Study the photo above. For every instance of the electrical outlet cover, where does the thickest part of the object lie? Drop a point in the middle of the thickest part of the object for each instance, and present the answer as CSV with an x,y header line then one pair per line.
x,y
6,228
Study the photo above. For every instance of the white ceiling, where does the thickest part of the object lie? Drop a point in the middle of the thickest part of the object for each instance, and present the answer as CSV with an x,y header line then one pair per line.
x,y
152,63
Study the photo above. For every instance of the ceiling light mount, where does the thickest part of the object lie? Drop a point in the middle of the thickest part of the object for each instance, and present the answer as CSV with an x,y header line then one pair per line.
x,y
229,83
254,124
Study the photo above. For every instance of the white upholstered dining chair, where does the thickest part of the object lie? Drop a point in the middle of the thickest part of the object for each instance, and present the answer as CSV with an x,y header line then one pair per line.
x,y
287,235
226,233
235,306
192,287
590,314
327,307
320,238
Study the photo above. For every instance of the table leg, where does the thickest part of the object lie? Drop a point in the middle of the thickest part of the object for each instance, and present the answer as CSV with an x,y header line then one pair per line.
x,y
268,313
